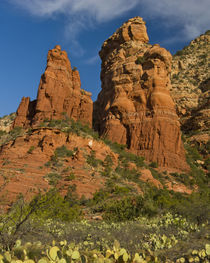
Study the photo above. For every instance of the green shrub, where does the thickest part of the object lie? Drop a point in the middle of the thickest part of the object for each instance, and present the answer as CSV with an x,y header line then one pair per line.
x,y
2,133
153,165
99,196
140,60
63,152
180,53
70,177
175,76
108,161
53,206
120,210
207,164
91,159
14,133
116,147
30,150
53,178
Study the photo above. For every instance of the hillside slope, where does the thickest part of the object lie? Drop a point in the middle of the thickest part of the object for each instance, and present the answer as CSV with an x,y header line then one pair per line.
x,y
190,78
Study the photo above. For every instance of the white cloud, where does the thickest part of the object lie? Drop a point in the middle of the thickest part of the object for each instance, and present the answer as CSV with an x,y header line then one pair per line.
x,y
79,14
190,16
100,10
92,60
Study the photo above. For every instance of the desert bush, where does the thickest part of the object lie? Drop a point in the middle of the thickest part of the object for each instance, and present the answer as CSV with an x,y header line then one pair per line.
x,y
30,150
91,159
153,165
180,53
63,152
2,133
53,178
140,60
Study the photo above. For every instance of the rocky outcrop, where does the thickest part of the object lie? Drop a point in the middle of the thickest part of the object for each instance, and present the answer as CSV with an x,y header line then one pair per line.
x,y
134,106
6,122
191,84
59,94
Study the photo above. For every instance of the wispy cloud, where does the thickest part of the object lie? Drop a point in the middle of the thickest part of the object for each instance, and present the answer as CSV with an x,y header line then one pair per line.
x,y
190,16
93,60
80,15
99,10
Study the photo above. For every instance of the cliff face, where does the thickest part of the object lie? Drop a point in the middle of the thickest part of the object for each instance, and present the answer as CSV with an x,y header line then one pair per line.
x,y
191,84
6,122
134,106
59,94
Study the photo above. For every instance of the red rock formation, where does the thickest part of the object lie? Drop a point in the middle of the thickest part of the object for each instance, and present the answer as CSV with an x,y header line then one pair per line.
x,y
59,92
134,106
23,166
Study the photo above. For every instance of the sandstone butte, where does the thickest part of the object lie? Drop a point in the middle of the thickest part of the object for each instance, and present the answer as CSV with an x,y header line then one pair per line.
x,y
134,106
59,95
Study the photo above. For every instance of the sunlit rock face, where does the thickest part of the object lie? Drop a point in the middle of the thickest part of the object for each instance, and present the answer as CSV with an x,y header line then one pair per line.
x,y
134,106
59,94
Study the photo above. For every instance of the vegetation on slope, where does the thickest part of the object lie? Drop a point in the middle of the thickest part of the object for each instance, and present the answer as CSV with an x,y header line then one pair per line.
x,y
150,221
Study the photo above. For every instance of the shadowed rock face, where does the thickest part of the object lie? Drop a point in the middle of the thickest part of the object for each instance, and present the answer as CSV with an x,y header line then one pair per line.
x,y
59,94
134,106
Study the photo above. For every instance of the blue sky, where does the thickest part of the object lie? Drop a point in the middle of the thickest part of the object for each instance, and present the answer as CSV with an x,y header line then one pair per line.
x,y
29,28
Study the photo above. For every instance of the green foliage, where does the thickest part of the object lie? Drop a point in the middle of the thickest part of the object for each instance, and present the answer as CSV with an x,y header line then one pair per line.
x,y
175,76
81,130
207,164
63,152
125,173
53,206
184,179
153,165
70,126
116,147
108,161
70,177
157,236
2,133
180,53
120,210
196,172
30,150
91,159
11,136
98,197
125,156
140,60
53,178
14,133
63,252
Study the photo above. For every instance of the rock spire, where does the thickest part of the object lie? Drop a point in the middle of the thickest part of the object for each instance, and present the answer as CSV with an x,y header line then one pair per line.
x,y
59,94
134,106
